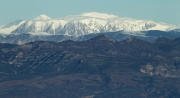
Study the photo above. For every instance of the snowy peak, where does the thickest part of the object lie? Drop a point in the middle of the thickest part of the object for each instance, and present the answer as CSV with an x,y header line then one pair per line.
x,y
18,22
42,17
99,15
8,28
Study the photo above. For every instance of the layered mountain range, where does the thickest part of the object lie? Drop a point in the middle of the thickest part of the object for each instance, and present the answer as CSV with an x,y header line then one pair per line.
x,y
70,62
78,27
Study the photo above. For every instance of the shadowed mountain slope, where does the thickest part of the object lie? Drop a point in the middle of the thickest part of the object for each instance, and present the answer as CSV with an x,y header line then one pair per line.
x,y
97,68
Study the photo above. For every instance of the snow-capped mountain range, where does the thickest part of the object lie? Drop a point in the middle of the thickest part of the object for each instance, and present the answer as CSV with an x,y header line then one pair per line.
x,y
83,27
83,24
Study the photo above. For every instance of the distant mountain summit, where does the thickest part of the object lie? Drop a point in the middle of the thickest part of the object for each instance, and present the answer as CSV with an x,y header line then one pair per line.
x,y
42,17
99,15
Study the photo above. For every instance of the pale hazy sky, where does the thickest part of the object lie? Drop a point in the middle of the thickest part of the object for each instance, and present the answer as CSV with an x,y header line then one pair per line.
x,y
167,11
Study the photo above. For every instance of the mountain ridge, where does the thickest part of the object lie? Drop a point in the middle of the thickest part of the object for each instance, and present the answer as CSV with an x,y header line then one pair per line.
x,y
87,23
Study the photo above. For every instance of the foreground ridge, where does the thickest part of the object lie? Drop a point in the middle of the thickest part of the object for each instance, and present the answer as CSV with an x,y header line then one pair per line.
x,y
99,67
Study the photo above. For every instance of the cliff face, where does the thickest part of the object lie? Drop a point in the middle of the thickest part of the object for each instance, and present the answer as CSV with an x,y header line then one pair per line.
x,y
96,68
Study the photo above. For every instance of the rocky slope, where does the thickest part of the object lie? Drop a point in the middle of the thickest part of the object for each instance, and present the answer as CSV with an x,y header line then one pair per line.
x,y
96,68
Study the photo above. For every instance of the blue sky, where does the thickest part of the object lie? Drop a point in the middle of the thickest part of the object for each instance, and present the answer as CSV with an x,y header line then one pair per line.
x,y
167,11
